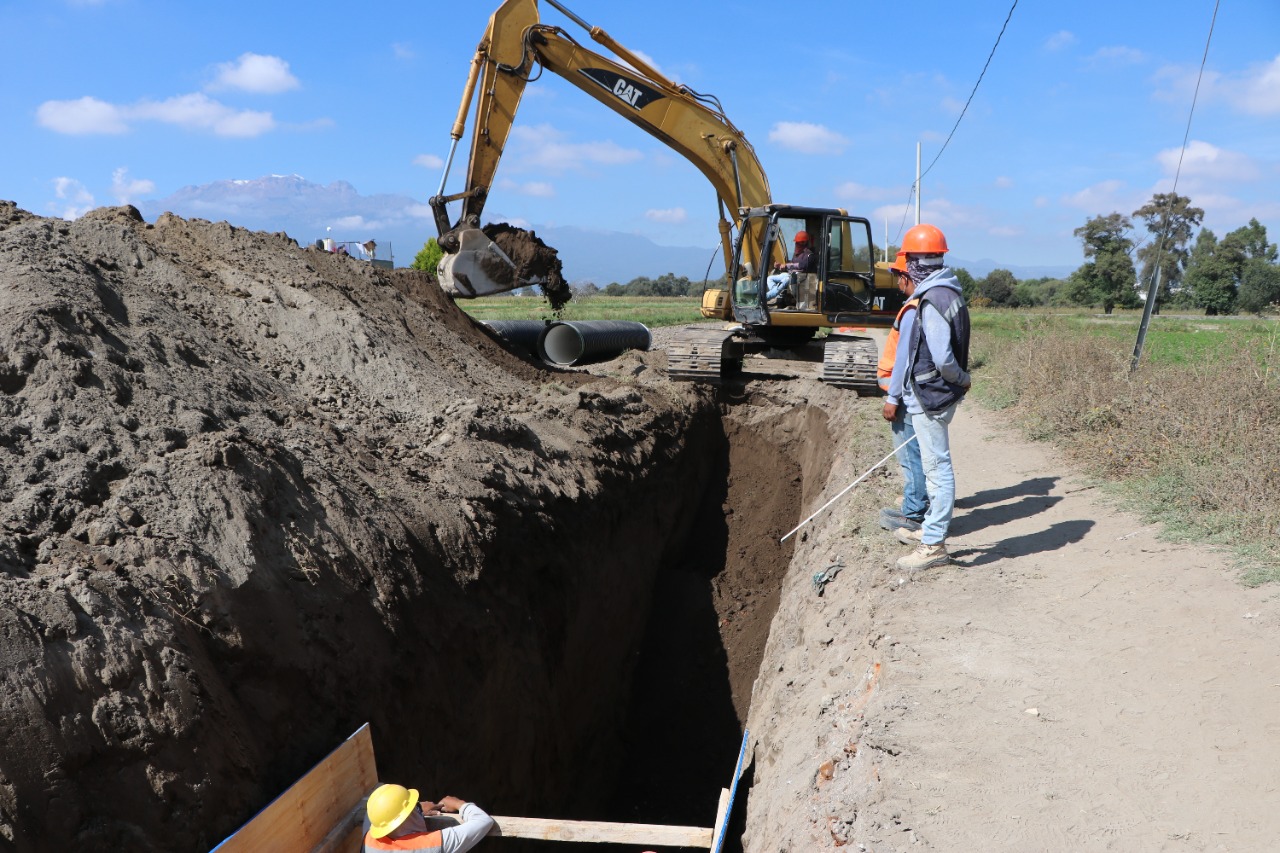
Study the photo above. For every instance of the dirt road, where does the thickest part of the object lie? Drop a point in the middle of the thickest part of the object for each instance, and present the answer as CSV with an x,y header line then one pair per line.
x,y
1071,683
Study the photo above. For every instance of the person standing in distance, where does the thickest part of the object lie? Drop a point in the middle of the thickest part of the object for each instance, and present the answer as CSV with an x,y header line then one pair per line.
x,y
889,372
935,380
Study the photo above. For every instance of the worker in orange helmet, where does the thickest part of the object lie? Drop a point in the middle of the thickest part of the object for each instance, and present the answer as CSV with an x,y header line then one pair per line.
x,y
395,819
803,260
935,378
915,498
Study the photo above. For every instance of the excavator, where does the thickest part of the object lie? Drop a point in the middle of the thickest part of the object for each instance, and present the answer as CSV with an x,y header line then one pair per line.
x,y
756,234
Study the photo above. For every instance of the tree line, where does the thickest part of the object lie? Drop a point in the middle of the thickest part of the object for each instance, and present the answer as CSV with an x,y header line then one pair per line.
x,y
1238,273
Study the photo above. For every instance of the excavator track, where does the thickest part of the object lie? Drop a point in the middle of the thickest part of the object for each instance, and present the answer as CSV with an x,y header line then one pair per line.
x,y
699,354
851,363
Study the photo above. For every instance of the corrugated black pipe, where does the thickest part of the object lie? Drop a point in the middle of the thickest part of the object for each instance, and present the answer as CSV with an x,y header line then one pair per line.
x,y
521,333
567,342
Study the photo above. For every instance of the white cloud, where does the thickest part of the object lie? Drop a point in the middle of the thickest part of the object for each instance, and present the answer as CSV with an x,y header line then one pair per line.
x,y
669,216
429,161
420,211
80,200
544,148
1204,160
1003,182
1005,231
807,138
1096,198
81,117
1258,89
357,223
537,189
200,112
1116,55
125,190
193,112
403,51
1060,40
951,105
853,191
1042,201
253,72
1254,91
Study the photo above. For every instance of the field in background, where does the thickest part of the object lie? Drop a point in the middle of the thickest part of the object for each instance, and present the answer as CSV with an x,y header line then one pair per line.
x,y
1191,440
653,311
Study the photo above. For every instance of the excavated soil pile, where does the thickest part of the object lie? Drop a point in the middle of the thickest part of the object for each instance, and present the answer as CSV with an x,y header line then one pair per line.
x,y
254,496
534,260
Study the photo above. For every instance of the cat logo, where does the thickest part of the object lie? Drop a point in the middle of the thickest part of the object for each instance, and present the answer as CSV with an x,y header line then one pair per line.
x,y
631,92
877,304
626,91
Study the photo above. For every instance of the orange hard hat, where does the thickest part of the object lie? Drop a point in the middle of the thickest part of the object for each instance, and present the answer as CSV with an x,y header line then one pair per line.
x,y
899,263
802,236
924,240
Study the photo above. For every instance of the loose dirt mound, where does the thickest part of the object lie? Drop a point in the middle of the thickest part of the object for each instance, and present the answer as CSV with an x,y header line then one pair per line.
x,y
255,495
534,260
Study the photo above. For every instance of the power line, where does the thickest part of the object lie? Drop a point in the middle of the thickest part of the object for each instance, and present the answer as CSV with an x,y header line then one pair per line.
x,y
1149,307
962,112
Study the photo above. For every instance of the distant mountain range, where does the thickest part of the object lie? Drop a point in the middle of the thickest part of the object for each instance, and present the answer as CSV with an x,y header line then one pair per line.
x,y
400,225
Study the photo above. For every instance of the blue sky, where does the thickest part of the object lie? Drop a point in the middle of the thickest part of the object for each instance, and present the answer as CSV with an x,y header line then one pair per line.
x,y
1082,111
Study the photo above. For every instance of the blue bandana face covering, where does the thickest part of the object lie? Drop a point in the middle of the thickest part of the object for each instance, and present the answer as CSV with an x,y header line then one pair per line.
x,y
920,267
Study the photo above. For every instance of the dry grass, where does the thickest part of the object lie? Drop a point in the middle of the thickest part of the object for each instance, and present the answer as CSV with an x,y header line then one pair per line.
x,y
1194,445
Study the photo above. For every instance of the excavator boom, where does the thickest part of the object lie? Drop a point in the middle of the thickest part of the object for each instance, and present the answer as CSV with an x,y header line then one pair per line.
x,y
516,48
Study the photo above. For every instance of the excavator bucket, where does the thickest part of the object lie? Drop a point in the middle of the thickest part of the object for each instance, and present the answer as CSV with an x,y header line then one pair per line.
x,y
479,268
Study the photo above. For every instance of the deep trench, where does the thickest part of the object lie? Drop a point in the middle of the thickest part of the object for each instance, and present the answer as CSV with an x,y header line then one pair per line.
x,y
706,634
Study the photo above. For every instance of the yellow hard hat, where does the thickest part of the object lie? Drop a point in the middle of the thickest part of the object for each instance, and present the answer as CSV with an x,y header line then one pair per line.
x,y
388,806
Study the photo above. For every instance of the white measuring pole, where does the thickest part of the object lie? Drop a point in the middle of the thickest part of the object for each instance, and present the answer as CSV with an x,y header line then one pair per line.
x,y
847,488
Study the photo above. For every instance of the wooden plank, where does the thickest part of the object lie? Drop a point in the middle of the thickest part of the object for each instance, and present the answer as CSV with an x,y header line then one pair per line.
x,y
722,814
598,832
308,813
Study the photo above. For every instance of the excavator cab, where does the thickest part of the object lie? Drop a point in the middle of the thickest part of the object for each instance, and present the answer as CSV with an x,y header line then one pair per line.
x,y
844,288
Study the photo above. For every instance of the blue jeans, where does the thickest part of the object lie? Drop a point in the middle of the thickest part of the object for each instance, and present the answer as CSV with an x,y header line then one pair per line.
x,y
940,477
914,495
777,284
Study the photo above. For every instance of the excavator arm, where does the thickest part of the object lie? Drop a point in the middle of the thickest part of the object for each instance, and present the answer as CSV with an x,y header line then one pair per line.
x,y
517,48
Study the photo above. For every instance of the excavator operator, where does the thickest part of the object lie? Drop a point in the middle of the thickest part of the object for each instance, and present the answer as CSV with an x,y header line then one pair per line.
x,y
803,260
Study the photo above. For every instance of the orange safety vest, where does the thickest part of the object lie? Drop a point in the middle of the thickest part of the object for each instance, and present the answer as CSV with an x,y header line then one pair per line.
x,y
412,841
884,369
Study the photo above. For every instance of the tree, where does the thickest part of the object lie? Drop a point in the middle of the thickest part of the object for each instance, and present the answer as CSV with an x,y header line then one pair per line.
x,y
428,258
1210,275
1110,277
1250,242
1259,286
1258,275
1170,219
968,286
997,287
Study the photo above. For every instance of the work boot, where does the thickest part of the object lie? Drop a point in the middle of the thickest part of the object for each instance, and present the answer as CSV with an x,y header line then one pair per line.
x,y
925,557
891,518
907,536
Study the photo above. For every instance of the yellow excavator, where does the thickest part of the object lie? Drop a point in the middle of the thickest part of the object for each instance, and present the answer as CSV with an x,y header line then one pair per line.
x,y
848,289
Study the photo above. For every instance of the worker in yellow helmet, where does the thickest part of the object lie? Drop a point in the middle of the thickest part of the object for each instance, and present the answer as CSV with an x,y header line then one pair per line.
x,y
397,820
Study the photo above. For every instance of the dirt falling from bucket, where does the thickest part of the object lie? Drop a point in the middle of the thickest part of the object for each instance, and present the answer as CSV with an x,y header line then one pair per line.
x,y
534,259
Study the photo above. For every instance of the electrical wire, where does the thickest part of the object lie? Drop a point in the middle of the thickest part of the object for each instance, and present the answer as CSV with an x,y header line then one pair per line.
x,y
1149,307
955,127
